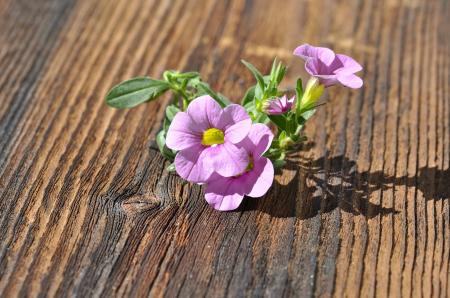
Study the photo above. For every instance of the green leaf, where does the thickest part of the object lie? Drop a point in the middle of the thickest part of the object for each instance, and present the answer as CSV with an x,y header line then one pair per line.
x,y
258,76
281,73
161,140
187,75
249,96
279,120
171,168
291,125
299,88
169,74
279,163
132,92
282,136
251,110
277,74
204,88
266,79
259,93
166,124
273,70
308,114
299,95
261,118
275,144
305,116
171,111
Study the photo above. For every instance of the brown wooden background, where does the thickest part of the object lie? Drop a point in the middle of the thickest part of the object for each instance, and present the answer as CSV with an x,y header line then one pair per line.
x,y
87,209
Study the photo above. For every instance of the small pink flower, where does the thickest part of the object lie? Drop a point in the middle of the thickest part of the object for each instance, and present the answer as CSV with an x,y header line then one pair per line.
x,y
279,105
227,193
329,67
206,136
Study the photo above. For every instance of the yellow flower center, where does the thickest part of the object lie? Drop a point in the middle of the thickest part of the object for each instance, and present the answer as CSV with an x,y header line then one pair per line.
x,y
212,136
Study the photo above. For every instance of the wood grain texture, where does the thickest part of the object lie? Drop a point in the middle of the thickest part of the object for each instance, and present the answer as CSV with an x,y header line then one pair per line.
x,y
87,209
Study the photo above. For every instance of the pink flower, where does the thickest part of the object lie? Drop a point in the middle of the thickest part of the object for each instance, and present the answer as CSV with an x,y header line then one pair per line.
x,y
278,105
206,136
329,67
227,193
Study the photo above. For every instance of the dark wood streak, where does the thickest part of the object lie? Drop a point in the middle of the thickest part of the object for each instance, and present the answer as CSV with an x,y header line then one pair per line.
x,y
46,35
88,209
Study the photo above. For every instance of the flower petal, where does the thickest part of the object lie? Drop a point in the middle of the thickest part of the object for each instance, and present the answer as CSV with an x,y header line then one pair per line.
x,y
312,66
237,132
350,80
258,139
325,55
190,165
279,105
317,69
307,51
205,112
226,159
291,102
349,64
232,114
260,179
182,133
223,194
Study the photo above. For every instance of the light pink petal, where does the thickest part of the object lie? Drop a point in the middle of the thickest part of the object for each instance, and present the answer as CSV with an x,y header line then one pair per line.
x,y
274,107
279,105
183,133
226,159
313,67
287,103
326,77
282,103
328,81
326,55
260,178
291,102
237,132
189,164
260,137
316,68
224,202
350,80
307,51
349,64
205,112
222,194
232,114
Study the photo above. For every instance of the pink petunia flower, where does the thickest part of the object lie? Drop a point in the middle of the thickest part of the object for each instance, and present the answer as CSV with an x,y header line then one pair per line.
x,y
206,136
329,67
278,105
227,193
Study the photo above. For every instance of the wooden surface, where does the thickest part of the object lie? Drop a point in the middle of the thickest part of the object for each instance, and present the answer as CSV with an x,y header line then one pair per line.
x,y
87,208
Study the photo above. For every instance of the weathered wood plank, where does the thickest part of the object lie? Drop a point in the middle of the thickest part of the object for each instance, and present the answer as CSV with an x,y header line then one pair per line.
x,y
88,209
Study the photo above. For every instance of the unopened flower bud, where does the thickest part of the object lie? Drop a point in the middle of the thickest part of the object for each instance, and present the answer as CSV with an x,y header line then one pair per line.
x,y
286,142
278,105
313,92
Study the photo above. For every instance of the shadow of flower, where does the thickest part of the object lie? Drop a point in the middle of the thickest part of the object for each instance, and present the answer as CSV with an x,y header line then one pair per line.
x,y
322,185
